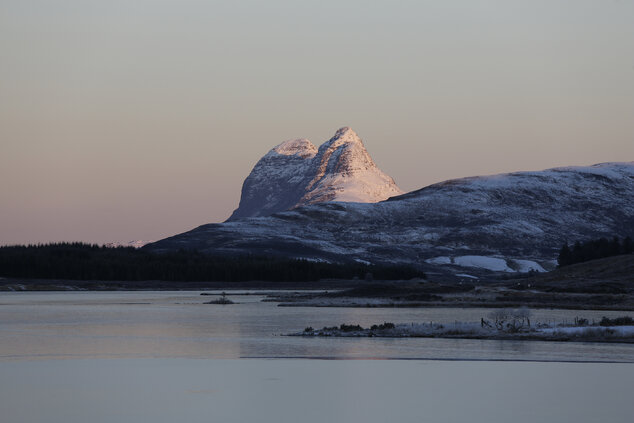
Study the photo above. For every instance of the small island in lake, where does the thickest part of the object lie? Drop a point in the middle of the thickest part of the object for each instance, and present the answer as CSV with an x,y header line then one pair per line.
x,y
222,300
503,325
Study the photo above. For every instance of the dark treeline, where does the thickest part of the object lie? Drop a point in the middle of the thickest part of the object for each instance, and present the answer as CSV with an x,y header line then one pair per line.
x,y
595,249
78,261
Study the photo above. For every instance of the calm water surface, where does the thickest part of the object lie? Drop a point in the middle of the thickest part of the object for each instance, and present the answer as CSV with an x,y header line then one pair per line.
x,y
179,325
165,357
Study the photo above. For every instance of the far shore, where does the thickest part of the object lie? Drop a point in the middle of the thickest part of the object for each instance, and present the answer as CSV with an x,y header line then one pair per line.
x,y
25,285
369,294
445,304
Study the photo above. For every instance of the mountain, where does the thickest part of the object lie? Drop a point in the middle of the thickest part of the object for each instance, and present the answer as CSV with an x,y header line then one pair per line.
x,y
296,173
502,223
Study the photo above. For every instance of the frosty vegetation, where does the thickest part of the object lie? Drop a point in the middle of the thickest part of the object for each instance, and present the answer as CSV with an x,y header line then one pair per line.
x,y
499,324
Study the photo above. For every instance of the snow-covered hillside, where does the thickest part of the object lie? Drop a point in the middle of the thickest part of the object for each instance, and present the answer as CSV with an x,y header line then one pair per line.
x,y
508,222
296,173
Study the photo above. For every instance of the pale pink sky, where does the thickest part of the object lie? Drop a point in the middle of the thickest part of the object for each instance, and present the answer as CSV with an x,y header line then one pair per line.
x,y
128,120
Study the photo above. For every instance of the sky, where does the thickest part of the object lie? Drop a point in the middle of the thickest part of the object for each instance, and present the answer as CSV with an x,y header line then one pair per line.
x,y
124,120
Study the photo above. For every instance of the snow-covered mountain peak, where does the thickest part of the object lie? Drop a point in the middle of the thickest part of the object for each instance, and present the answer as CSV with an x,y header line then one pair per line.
x,y
344,135
296,173
343,154
300,147
344,171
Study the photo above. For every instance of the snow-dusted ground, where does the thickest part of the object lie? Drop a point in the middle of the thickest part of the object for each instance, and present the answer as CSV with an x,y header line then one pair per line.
x,y
503,223
496,264
468,329
490,263
624,331
528,265
439,260
464,275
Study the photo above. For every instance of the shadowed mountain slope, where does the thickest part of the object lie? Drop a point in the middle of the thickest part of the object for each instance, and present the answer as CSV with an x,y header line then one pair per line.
x,y
505,223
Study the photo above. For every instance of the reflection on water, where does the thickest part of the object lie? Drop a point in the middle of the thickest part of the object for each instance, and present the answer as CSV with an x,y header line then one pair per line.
x,y
178,324
56,366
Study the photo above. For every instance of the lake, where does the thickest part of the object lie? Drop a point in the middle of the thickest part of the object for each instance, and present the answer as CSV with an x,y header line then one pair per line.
x,y
166,356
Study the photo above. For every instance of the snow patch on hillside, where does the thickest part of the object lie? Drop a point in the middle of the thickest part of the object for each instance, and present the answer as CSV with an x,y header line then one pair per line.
x,y
483,262
439,260
465,275
528,265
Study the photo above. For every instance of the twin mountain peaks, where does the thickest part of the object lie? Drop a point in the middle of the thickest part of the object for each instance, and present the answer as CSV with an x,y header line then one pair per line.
x,y
296,173
334,204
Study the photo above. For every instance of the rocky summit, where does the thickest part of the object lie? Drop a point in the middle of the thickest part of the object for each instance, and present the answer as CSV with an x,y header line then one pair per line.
x,y
296,173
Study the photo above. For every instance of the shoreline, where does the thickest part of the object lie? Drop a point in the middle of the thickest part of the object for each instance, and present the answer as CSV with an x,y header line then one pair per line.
x,y
340,293
465,305
65,285
561,333
597,340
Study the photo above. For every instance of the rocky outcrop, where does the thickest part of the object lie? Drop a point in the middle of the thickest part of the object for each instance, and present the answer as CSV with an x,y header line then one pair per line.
x,y
296,173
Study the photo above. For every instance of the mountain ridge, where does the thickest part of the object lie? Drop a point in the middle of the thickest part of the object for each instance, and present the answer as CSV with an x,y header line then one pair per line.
x,y
508,222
